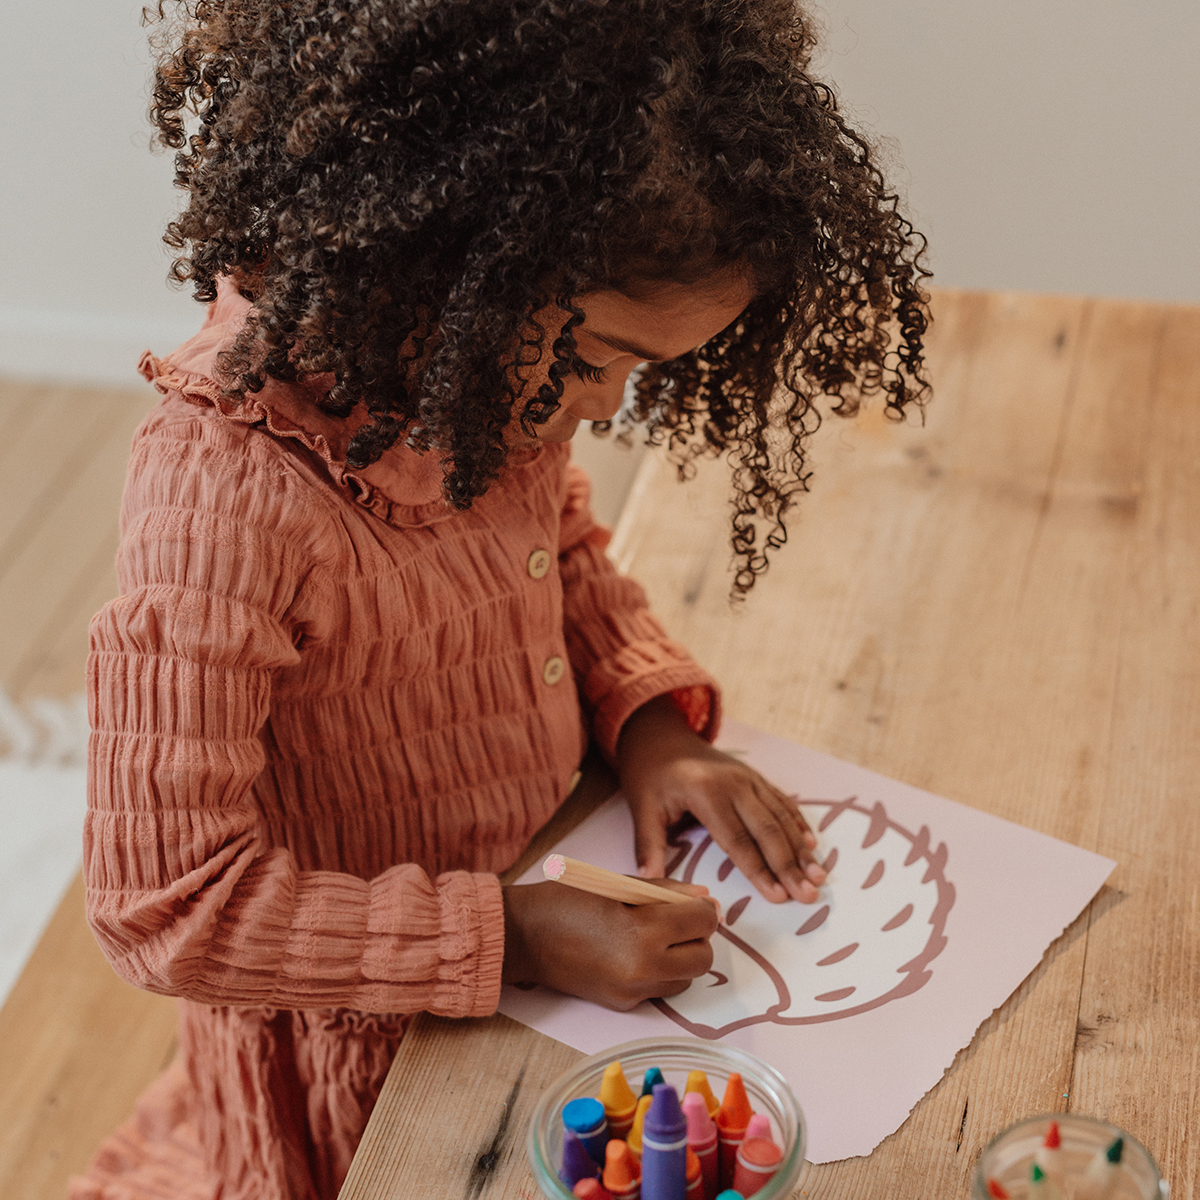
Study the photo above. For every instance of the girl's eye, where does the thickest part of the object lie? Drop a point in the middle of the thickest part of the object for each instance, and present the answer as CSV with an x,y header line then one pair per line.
x,y
588,372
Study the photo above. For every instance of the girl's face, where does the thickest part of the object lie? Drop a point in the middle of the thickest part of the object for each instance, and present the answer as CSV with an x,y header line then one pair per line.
x,y
620,332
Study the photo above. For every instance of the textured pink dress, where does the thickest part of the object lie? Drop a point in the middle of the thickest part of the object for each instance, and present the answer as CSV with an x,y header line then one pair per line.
x,y
326,710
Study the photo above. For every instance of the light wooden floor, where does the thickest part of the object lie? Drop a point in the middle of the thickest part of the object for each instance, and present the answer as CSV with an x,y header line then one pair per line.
x,y
1007,614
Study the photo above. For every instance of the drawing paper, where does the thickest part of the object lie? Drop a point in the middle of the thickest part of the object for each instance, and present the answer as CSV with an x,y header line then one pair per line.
x,y
932,915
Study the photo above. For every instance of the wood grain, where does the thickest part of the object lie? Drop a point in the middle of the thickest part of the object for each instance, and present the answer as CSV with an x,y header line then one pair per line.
x,y
77,1045
1000,606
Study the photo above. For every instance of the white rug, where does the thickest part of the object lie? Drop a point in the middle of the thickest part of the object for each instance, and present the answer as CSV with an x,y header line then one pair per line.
x,y
43,794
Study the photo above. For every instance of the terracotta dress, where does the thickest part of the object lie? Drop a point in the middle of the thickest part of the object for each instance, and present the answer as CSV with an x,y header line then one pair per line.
x,y
326,710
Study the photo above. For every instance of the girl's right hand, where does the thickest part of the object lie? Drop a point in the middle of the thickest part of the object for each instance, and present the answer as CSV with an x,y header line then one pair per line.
x,y
615,954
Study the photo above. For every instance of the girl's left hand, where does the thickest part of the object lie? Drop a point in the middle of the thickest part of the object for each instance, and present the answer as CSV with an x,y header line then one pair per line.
x,y
667,771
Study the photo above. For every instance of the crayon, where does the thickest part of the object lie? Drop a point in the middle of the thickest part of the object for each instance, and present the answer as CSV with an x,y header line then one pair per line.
x,y
757,1162
664,1147
730,1194
732,1120
1049,1153
702,1140
602,882
639,1120
577,1162
1041,1186
995,1190
653,1076
760,1126
697,1081
1099,1181
619,1101
693,1176
585,1118
621,1175
591,1189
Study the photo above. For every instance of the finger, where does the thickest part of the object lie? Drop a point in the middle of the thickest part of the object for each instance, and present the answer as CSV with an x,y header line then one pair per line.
x,y
797,830
731,834
649,841
771,835
690,889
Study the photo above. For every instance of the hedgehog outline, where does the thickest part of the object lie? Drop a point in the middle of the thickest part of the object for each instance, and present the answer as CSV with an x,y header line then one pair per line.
x,y
776,975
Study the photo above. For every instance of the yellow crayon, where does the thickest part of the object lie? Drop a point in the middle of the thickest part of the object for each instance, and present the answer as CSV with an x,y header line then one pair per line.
x,y
697,1081
618,1099
635,1133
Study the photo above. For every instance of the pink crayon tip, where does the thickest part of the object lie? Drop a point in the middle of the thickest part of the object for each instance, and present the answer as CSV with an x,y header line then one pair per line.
x,y
1053,1141
759,1127
700,1127
554,866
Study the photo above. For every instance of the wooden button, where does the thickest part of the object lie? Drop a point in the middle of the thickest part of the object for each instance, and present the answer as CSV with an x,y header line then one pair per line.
x,y
554,670
538,564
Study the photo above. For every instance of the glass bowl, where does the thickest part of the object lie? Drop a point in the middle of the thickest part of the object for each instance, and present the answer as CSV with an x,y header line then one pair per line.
x,y
1007,1157
767,1090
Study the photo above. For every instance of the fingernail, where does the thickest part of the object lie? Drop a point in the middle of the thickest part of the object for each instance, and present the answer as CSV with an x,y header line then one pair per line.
x,y
810,840
643,871
815,872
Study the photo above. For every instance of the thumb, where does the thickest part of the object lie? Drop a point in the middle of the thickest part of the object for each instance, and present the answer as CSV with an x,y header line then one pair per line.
x,y
649,840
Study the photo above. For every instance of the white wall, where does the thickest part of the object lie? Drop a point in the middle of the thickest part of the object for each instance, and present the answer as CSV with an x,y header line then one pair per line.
x,y
1043,145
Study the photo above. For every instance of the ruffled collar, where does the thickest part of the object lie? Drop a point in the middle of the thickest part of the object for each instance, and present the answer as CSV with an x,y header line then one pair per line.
x,y
403,488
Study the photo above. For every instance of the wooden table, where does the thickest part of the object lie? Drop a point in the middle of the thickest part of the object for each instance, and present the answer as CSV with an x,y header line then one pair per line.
x,y
1002,607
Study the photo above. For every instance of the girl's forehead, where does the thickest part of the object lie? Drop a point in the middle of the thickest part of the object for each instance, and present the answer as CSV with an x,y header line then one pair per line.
x,y
665,322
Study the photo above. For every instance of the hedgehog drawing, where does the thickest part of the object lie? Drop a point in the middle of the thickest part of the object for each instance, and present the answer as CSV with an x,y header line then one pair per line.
x,y
869,940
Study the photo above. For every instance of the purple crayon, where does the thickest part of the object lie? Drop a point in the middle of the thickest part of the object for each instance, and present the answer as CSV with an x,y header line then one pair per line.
x,y
664,1147
577,1163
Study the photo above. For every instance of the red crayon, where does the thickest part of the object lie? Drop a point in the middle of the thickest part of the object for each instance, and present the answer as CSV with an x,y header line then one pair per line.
x,y
591,1189
757,1162
732,1119
996,1191
702,1141
694,1176
622,1176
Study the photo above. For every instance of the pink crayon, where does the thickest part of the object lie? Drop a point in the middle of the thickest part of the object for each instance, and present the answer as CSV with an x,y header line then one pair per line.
x,y
702,1141
591,1189
757,1162
760,1126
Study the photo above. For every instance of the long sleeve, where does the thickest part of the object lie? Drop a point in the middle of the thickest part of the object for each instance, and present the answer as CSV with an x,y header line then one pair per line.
x,y
189,890
621,655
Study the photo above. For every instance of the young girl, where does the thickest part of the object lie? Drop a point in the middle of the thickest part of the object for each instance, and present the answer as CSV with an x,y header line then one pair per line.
x,y
366,624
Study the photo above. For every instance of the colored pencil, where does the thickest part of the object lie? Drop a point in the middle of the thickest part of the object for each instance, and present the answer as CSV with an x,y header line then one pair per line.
x,y
601,882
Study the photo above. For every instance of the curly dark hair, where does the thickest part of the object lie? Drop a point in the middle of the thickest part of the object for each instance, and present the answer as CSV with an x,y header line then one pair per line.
x,y
399,185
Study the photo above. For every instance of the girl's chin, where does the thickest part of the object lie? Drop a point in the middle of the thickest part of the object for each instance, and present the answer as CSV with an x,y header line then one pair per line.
x,y
560,428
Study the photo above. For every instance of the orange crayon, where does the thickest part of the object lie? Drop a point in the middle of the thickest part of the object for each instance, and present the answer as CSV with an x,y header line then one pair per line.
x,y
757,1162
694,1176
591,1189
732,1118
618,1099
622,1176
697,1081
639,1120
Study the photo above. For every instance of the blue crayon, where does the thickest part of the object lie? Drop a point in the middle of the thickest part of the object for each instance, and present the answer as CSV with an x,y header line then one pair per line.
x,y
730,1194
577,1163
585,1118
653,1076
664,1147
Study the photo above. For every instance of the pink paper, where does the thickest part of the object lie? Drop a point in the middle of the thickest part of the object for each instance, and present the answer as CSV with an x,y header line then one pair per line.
x,y
933,914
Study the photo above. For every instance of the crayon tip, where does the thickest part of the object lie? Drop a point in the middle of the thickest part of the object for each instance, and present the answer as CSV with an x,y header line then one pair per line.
x,y
735,1111
697,1081
700,1125
620,1167
1053,1140
664,1117
653,1076
1113,1154
1036,1174
639,1120
554,866
759,1126
577,1163
996,1191
692,1165
615,1092
583,1116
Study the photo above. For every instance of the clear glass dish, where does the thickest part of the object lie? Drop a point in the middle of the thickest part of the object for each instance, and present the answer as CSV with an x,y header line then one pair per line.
x,y
675,1057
